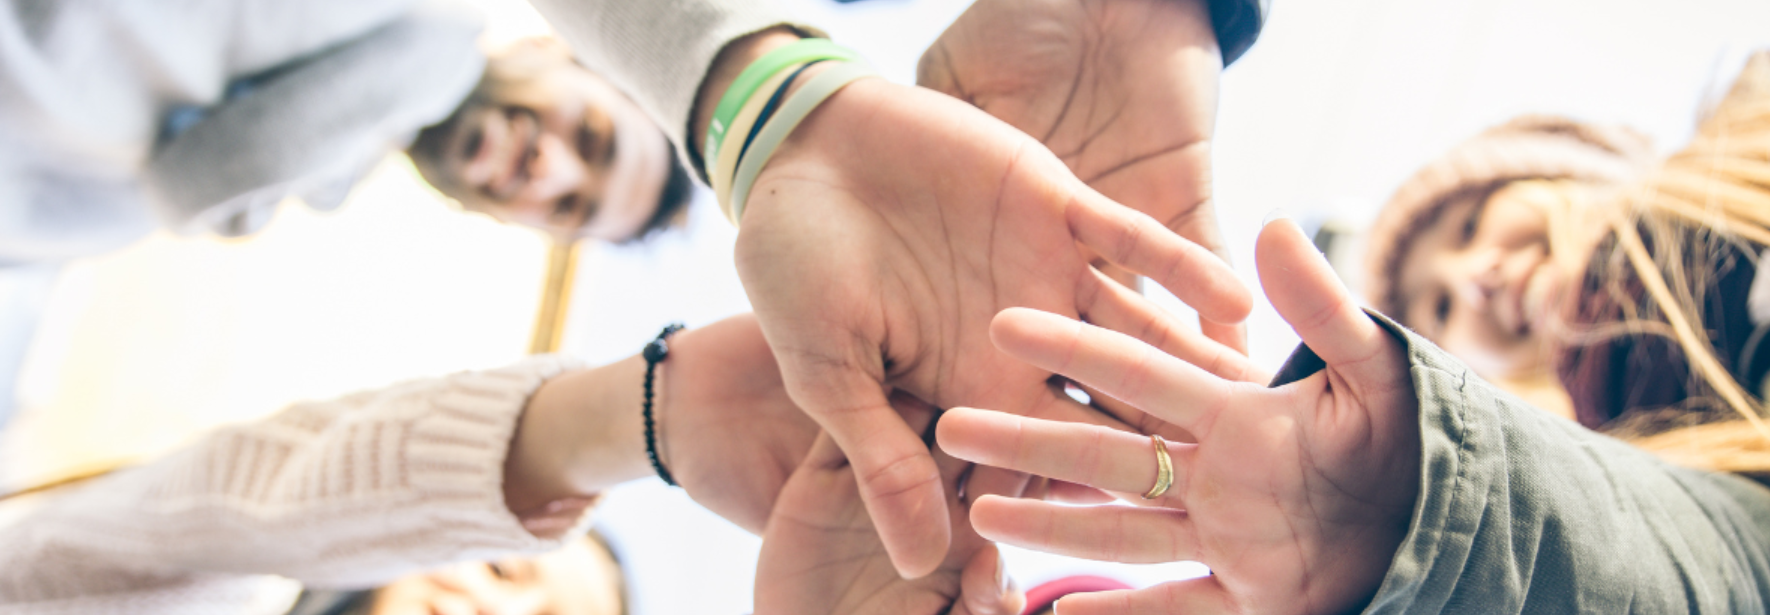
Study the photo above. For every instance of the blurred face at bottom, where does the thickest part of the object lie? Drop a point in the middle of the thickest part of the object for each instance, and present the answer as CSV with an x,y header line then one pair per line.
x,y
545,143
580,579
1486,282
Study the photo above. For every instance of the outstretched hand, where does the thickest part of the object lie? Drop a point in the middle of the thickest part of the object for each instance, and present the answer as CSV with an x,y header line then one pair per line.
x,y
1296,497
1124,92
879,242
821,554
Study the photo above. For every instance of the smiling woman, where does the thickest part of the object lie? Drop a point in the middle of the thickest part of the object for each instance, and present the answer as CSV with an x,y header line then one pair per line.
x,y
545,143
1547,245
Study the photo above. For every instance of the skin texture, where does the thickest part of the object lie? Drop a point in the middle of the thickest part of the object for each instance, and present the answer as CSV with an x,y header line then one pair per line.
x,y
821,553
1124,92
1486,283
1295,496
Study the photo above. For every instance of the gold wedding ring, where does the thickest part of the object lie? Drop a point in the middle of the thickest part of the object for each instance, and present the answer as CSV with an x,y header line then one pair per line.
x,y
1164,469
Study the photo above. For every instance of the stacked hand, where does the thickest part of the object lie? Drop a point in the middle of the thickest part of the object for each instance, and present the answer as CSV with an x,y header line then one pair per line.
x,y
1124,92
1296,496
821,553
881,240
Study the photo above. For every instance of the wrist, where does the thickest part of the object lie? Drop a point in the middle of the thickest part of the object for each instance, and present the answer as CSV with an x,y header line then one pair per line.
x,y
580,434
725,69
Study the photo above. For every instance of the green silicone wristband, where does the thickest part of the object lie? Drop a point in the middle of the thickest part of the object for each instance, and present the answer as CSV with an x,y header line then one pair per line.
x,y
742,88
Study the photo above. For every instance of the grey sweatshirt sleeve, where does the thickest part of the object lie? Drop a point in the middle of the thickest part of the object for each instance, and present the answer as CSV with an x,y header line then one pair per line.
x,y
658,51
1521,511
313,126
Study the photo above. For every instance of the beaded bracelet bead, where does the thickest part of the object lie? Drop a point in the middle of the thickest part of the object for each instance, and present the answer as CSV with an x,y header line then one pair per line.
x,y
655,352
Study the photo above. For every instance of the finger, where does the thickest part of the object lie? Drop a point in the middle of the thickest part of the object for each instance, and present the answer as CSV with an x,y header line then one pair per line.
x,y
1113,363
985,588
898,479
1204,595
1113,306
1137,242
1304,289
1073,493
1102,458
1235,335
1110,533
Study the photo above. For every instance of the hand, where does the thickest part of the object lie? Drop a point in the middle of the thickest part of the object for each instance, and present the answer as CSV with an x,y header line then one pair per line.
x,y
1123,91
821,554
725,426
881,239
1296,496
727,430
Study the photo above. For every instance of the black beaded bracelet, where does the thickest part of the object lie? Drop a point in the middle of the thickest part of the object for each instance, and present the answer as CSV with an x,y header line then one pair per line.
x,y
655,352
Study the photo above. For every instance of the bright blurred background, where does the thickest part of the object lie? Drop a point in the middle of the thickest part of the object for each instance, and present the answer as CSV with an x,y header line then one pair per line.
x,y
124,356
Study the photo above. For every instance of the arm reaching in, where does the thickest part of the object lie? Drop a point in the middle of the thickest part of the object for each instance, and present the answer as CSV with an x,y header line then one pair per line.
x,y
725,426
359,490
1370,484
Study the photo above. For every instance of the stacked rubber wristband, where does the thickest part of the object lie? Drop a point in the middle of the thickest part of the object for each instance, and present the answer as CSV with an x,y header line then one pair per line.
x,y
755,115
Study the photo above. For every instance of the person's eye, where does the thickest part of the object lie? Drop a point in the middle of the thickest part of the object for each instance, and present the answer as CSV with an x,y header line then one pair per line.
x,y
498,570
470,147
1470,225
586,143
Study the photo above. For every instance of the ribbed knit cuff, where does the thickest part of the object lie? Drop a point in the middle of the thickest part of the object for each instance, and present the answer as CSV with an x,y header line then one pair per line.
x,y
456,454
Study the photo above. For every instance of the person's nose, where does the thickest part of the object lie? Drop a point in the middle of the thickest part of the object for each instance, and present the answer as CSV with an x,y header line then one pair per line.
x,y
557,170
1474,277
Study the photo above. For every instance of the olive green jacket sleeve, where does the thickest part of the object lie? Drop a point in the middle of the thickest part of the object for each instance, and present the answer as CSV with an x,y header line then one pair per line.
x,y
1521,511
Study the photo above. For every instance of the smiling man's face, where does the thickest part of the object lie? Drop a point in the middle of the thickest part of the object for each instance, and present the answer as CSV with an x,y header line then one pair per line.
x,y
545,143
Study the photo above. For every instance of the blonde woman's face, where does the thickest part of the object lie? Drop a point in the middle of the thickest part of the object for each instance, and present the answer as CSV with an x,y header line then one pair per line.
x,y
1484,283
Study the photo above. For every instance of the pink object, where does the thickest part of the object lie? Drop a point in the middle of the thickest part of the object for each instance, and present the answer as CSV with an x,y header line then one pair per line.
x,y
1042,597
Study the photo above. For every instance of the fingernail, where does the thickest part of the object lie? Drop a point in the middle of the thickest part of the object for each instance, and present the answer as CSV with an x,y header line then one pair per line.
x,y
1275,214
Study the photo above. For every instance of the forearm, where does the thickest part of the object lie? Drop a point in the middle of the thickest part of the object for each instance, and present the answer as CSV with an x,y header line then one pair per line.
x,y
1521,511
580,434
352,491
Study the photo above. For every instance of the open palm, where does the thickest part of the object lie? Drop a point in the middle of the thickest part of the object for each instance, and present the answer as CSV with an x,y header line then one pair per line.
x,y
1295,496
1124,92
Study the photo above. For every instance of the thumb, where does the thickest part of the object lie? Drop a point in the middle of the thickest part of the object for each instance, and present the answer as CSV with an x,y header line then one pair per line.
x,y
984,586
1308,295
897,476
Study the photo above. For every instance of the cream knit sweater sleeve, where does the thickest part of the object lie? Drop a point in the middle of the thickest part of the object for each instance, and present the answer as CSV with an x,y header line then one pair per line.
x,y
658,51
351,492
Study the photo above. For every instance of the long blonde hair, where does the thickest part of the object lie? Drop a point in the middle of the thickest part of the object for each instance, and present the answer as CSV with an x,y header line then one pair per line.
x,y
1711,198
